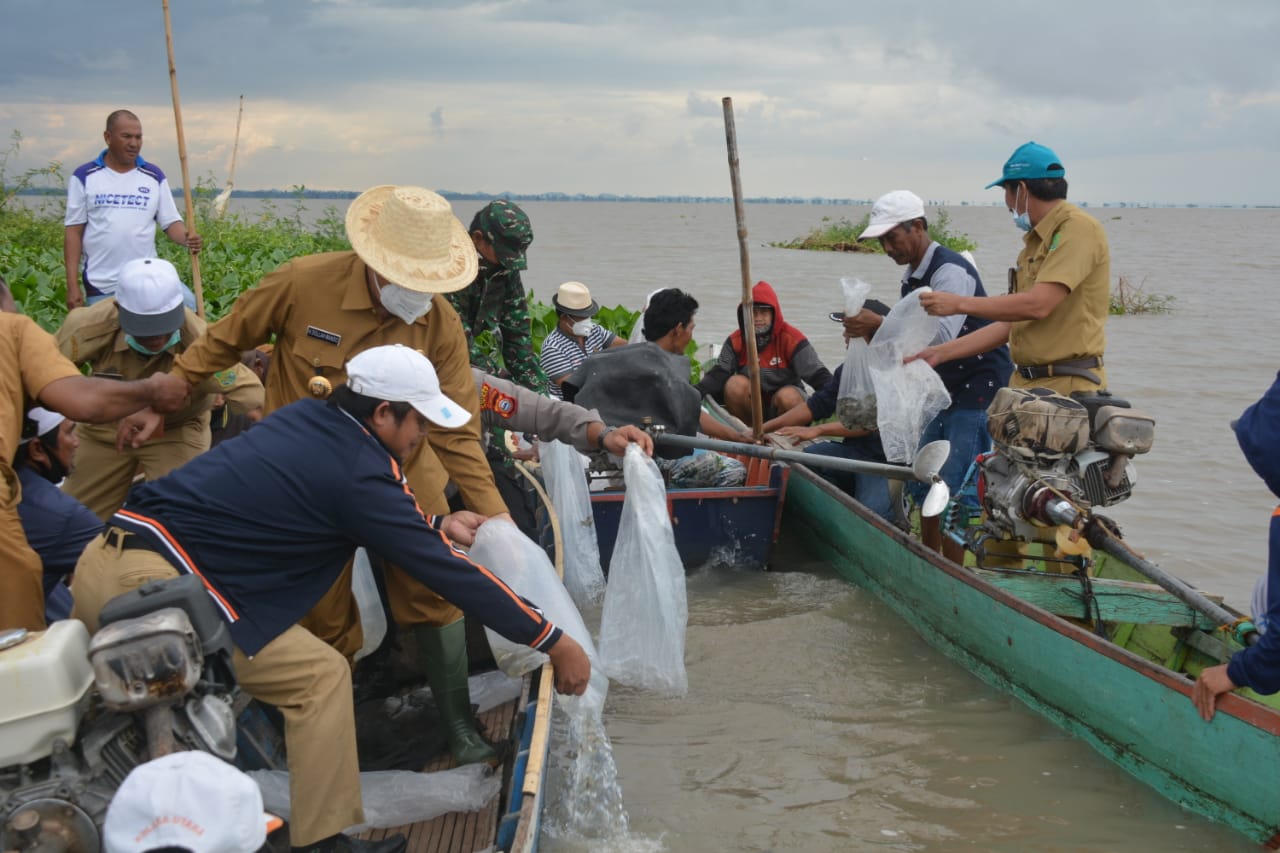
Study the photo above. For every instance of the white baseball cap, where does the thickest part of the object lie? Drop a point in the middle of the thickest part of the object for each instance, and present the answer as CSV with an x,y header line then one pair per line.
x,y
399,374
892,209
45,421
149,298
191,800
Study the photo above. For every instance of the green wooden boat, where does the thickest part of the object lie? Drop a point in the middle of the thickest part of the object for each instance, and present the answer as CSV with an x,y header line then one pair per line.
x,y
1107,655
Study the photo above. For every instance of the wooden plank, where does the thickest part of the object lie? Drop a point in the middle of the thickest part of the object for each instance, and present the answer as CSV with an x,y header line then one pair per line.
x,y
541,731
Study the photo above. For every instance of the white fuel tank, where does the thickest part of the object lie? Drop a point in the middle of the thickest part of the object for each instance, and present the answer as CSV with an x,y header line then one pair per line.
x,y
43,682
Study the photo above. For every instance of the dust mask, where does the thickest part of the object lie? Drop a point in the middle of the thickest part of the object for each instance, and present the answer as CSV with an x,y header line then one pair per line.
x,y
582,328
409,305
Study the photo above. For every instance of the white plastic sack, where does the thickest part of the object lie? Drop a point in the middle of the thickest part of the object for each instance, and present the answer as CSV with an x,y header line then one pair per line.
x,y
373,620
908,396
567,486
398,797
646,608
856,397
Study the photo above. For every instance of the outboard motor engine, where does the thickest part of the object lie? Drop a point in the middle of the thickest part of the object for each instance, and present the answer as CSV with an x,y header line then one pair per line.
x,y
1056,458
78,715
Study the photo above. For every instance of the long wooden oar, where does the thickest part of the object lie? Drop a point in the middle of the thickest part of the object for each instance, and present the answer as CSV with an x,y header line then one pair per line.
x,y
747,323
187,190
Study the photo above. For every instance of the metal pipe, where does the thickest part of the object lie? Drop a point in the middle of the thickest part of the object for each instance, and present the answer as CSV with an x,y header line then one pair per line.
x,y
813,460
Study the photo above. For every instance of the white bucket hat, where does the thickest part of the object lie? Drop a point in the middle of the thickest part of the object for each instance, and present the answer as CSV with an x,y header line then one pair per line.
x,y
890,210
191,800
410,237
149,298
399,374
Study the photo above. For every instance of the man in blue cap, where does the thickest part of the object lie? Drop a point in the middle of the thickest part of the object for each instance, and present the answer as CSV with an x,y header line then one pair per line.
x,y
1055,312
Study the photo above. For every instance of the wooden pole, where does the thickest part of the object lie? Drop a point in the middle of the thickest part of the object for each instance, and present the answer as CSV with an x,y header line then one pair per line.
x,y
182,159
748,321
220,203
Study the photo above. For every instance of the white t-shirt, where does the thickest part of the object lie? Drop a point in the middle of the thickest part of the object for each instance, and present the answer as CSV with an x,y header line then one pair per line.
x,y
119,212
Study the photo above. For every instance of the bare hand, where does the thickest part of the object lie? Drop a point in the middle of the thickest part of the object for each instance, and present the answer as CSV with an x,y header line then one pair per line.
x,y
931,356
138,428
168,392
1211,684
862,325
75,298
572,666
194,243
804,433
461,526
940,304
616,441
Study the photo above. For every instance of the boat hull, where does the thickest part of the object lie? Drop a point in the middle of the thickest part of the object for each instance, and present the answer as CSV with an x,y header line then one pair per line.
x,y
1133,711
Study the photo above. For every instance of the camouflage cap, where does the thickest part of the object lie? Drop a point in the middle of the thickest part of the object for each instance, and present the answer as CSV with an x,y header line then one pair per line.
x,y
507,228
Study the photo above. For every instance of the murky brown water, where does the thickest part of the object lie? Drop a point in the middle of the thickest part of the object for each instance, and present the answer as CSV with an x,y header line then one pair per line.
x,y
815,720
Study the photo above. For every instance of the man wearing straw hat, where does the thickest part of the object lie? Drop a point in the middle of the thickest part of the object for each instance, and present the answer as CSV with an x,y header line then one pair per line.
x,y
409,249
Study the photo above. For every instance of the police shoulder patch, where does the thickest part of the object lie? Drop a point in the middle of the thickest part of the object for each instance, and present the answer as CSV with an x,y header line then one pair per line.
x,y
493,400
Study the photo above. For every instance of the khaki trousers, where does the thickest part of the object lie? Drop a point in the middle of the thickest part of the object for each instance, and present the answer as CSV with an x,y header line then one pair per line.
x,y
21,573
102,476
307,680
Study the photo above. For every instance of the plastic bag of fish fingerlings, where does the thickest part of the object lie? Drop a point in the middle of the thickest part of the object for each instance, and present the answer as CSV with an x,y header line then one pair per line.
x,y
646,610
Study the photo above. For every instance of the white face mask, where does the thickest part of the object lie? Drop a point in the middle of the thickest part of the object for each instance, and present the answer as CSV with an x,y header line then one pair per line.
x,y
408,305
1022,221
582,328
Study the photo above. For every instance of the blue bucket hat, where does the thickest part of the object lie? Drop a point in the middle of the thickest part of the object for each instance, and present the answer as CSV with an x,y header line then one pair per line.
x,y
1028,162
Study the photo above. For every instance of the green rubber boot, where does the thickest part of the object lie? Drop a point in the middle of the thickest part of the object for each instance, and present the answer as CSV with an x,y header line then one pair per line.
x,y
442,653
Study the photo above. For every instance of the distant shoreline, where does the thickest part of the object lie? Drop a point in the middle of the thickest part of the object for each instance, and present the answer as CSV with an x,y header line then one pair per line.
x,y
452,195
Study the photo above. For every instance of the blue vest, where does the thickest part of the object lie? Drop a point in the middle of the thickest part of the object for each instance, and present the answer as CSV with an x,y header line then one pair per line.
x,y
972,381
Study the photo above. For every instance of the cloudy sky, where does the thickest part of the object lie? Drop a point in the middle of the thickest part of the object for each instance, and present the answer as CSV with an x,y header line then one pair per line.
x,y
1144,101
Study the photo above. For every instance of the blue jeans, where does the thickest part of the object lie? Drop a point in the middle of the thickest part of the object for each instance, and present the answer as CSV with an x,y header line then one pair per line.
x,y
966,429
869,490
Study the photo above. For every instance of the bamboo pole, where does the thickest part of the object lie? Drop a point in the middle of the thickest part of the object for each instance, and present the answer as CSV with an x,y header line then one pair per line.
x,y
220,203
748,320
182,159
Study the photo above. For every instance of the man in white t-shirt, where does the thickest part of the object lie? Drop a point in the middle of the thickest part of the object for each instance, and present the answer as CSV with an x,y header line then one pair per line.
x,y
113,206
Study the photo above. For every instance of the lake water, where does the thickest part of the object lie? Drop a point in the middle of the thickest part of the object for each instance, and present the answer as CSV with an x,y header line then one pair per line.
x,y
816,721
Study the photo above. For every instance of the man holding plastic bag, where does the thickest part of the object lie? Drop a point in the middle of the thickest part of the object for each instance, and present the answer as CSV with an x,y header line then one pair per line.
x,y
898,222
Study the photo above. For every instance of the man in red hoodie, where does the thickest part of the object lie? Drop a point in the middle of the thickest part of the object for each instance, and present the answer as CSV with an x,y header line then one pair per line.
x,y
786,358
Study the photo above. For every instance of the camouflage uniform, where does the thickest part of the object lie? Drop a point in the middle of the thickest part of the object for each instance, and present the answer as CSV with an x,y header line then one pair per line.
x,y
495,302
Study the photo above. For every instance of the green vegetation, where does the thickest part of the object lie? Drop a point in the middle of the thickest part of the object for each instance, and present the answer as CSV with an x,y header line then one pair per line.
x,y
238,251
1128,298
841,235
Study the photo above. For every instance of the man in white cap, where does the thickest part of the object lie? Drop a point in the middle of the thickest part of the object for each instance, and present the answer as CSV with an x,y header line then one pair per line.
x,y
57,526
33,371
575,337
137,333
898,221
187,801
408,251
268,522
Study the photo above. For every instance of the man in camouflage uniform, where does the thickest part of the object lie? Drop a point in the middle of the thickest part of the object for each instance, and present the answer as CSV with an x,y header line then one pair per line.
x,y
495,301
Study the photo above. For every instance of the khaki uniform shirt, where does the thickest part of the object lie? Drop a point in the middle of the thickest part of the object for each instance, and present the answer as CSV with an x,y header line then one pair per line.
x,y
1068,247
92,335
29,360
321,313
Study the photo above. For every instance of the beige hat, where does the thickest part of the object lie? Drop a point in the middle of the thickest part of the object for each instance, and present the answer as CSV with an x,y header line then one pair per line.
x,y
410,237
574,299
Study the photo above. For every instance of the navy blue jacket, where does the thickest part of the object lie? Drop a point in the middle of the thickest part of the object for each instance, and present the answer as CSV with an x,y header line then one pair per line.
x,y
269,519
57,527
1258,432
973,381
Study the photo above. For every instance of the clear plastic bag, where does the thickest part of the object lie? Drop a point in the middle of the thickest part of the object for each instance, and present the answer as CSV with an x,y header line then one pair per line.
x,y
398,797
523,566
856,398
908,396
373,620
567,486
646,610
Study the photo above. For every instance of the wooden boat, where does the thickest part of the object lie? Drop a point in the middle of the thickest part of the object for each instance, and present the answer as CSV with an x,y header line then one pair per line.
x,y
1106,656
739,522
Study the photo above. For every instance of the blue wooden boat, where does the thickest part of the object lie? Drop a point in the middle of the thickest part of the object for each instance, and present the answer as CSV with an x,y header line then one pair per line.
x,y
1106,656
737,523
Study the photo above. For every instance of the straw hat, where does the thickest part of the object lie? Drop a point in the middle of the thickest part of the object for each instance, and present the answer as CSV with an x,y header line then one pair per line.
x,y
410,237
573,298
